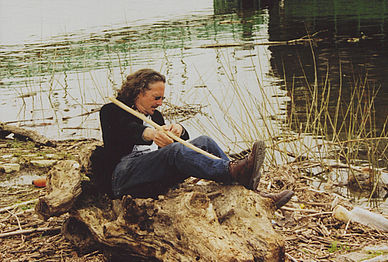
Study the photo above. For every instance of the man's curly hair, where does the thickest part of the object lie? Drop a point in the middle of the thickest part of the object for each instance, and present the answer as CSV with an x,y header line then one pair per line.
x,y
137,83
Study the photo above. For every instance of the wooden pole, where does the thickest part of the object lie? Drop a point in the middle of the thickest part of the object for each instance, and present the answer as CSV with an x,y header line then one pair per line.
x,y
158,127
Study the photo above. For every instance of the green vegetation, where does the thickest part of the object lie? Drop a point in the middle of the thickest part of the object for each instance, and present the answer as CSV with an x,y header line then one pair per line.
x,y
337,247
375,254
15,143
327,133
110,49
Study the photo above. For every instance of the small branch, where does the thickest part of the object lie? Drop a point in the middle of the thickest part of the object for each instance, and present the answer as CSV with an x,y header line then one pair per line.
x,y
303,40
17,219
5,209
312,203
291,258
29,231
30,210
320,213
300,210
290,42
19,225
315,212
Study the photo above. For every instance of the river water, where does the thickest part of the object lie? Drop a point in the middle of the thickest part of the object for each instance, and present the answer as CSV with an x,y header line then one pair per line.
x,y
61,60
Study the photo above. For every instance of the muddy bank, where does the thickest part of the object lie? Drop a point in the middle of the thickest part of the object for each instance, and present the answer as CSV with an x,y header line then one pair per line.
x,y
306,223
31,238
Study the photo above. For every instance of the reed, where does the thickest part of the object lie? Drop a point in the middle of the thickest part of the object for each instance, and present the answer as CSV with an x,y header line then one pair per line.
x,y
331,126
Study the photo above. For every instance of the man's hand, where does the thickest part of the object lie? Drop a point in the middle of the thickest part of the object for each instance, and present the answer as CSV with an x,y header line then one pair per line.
x,y
161,139
176,129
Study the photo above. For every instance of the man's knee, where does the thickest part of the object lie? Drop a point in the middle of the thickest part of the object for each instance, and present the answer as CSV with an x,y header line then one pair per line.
x,y
203,140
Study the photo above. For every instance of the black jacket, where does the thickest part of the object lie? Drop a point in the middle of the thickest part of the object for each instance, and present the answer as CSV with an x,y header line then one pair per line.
x,y
120,132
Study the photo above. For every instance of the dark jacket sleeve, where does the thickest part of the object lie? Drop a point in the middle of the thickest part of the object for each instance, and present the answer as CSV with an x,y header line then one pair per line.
x,y
120,130
185,135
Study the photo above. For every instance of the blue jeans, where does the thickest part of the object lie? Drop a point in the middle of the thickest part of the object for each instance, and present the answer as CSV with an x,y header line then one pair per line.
x,y
154,173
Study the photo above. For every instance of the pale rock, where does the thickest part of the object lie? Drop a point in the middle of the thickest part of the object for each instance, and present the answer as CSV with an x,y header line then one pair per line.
x,y
51,156
14,160
43,162
30,155
7,156
377,253
10,167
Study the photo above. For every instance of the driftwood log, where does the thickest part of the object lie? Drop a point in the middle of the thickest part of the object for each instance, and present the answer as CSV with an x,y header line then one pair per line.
x,y
203,221
63,188
24,134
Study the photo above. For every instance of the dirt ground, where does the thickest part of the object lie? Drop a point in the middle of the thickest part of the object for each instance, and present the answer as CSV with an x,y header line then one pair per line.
x,y
44,242
306,222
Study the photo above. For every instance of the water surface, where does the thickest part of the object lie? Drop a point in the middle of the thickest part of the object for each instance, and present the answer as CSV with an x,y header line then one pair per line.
x,y
60,60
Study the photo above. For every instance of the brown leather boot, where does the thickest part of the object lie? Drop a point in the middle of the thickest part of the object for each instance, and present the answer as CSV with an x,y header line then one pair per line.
x,y
246,171
280,199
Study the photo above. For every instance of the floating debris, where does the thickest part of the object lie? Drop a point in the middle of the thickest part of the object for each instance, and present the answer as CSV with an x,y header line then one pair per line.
x,y
184,112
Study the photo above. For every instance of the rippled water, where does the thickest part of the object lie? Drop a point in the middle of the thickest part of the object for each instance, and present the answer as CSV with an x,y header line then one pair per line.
x,y
36,21
60,60
50,80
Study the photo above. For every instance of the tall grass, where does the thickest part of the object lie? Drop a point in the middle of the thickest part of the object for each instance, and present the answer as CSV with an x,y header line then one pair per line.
x,y
325,130
329,131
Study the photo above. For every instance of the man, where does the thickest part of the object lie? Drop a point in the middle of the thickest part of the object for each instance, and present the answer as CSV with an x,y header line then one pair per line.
x,y
145,162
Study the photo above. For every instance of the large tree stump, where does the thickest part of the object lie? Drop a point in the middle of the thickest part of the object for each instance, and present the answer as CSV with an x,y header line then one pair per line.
x,y
204,222
209,222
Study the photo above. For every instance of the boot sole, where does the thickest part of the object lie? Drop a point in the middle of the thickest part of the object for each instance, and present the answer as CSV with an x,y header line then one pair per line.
x,y
282,201
259,159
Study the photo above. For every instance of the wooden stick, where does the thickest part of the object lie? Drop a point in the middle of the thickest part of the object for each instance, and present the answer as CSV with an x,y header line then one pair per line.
x,y
28,231
4,209
319,214
291,258
300,210
158,127
19,225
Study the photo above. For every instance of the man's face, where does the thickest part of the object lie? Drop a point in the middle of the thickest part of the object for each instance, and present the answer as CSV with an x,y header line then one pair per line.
x,y
147,102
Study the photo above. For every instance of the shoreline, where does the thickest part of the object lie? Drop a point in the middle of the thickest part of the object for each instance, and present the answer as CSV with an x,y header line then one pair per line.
x,y
306,223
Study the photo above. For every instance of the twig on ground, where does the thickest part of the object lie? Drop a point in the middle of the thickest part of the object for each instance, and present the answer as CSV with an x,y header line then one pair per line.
x,y
320,213
19,225
29,231
300,210
291,258
5,209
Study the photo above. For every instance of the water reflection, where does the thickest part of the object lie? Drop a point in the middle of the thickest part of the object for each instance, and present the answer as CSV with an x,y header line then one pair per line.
x,y
344,69
56,84
352,50
63,75
234,6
